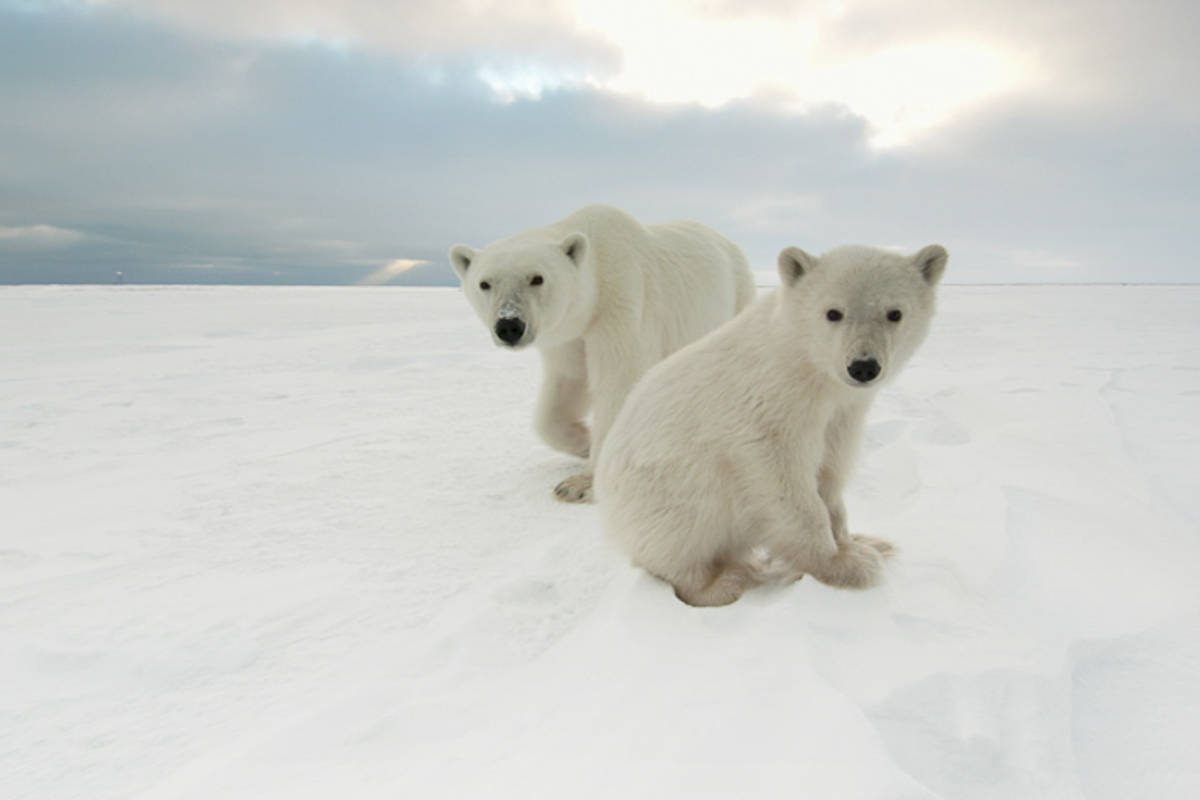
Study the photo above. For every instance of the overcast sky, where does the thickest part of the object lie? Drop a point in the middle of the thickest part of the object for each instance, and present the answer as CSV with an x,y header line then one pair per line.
x,y
269,141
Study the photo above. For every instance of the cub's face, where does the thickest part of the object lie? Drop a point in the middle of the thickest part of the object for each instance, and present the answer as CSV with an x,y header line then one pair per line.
x,y
859,312
522,291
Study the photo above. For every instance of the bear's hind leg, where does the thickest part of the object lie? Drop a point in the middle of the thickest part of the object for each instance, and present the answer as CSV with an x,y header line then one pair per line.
x,y
885,548
717,583
575,489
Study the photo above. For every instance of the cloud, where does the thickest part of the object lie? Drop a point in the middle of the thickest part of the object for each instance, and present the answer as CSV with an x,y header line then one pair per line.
x,y
38,237
662,51
905,66
285,161
501,32
391,270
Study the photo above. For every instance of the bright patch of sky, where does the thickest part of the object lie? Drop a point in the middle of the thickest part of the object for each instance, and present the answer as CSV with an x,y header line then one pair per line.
x,y
673,52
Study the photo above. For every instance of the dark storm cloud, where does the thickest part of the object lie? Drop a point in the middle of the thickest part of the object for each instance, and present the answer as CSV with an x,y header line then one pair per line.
x,y
178,158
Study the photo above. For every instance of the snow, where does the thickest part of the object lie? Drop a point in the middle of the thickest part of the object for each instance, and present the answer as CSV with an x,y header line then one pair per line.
x,y
301,542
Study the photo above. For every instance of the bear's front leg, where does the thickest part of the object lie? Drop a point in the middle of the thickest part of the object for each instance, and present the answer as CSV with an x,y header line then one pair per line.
x,y
852,543
803,536
613,375
563,400
840,447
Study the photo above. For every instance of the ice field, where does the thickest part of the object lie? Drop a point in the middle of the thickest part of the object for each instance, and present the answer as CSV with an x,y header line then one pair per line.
x,y
302,543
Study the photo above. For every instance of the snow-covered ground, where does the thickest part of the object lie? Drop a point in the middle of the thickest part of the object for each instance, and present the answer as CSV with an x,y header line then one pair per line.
x,y
264,542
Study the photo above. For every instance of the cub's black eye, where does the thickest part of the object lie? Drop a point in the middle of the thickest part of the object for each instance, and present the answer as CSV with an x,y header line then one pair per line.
x,y
894,315
536,280
833,315
485,285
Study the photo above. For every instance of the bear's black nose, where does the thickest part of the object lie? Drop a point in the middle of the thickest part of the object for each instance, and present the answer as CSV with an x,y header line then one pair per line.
x,y
864,371
510,330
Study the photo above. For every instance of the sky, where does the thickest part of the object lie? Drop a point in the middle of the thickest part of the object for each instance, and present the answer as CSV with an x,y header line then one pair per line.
x,y
352,142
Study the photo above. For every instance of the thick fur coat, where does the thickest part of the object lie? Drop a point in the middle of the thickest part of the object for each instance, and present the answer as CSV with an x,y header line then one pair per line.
x,y
603,298
727,464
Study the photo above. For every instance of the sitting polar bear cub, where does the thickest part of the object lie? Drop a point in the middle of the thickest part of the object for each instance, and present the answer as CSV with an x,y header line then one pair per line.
x,y
725,467
603,298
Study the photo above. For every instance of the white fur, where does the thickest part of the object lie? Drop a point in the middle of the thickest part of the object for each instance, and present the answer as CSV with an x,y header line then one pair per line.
x,y
726,465
616,298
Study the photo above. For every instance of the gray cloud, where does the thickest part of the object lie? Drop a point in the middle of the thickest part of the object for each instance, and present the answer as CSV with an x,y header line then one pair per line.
x,y
38,237
184,158
504,33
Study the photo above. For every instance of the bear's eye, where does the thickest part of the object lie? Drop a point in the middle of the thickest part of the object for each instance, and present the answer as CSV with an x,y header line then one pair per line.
x,y
536,280
833,315
485,285
894,315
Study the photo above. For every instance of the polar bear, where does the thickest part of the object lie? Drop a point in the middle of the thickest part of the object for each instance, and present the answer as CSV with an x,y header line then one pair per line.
x,y
725,468
603,298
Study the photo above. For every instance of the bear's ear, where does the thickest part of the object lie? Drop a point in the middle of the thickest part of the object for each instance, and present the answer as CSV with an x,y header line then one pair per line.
x,y
575,246
461,257
794,263
931,261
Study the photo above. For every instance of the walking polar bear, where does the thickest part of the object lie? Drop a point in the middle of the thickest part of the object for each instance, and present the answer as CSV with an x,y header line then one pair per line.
x,y
725,468
603,298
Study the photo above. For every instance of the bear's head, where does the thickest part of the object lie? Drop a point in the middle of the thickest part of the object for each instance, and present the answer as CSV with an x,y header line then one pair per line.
x,y
859,312
526,289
